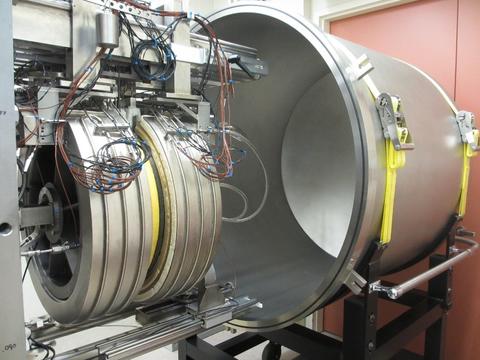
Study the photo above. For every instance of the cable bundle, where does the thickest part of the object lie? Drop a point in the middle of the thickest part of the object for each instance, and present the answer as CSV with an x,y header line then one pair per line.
x,y
49,350
156,43
105,172
26,96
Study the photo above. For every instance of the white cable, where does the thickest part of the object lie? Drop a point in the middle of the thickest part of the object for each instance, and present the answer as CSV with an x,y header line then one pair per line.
x,y
244,198
245,140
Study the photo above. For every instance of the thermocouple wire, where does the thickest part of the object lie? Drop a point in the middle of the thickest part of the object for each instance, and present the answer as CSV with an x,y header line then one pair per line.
x,y
236,135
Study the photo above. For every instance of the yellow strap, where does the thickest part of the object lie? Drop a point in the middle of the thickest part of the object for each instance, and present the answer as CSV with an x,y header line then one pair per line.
x,y
155,204
467,150
394,160
468,153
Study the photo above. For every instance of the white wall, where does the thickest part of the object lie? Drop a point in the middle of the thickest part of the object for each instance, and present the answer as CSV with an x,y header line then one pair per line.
x,y
311,9
207,6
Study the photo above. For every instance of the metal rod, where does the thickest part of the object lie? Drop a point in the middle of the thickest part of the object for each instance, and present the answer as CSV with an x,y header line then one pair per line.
x,y
159,334
49,333
52,250
397,291
172,328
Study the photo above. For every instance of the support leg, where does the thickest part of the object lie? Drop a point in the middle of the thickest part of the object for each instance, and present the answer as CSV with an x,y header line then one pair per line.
x,y
439,288
12,335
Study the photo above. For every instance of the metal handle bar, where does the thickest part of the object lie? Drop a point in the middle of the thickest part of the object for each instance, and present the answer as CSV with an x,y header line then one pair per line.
x,y
397,291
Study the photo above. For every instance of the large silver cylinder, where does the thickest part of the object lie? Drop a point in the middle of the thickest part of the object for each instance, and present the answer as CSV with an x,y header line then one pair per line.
x,y
319,133
152,241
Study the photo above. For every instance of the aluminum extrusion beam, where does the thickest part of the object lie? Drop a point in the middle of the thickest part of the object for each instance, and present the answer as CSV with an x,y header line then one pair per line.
x,y
12,341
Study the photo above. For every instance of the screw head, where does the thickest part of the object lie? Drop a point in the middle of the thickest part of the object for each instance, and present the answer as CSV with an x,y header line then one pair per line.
x,y
372,318
371,346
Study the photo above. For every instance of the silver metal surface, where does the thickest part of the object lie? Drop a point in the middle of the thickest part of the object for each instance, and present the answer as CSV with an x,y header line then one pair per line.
x,y
36,215
393,121
108,30
110,265
174,326
394,292
12,341
355,282
318,131
107,270
57,4
466,125
39,22
192,217
182,82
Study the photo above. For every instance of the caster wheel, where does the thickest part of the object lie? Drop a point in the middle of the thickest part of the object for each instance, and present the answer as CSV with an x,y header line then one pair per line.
x,y
272,352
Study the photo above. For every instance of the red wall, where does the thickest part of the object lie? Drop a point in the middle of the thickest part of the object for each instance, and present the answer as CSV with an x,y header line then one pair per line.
x,y
442,37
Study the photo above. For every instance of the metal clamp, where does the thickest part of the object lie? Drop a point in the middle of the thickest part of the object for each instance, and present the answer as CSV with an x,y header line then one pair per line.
x,y
397,291
393,121
355,282
466,125
360,67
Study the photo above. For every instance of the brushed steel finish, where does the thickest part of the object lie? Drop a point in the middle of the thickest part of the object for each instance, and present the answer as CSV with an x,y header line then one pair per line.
x,y
317,130
319,133
12,342
108,30
109,267
193,217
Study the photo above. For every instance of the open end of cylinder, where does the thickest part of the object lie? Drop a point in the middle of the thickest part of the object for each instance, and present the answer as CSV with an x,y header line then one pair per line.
x,y
289,255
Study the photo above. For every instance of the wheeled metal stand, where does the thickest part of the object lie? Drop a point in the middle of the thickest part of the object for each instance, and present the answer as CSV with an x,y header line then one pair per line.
x,y
362,339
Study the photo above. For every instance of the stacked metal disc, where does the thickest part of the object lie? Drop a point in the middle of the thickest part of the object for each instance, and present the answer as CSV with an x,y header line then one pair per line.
x,y
191,218
149,242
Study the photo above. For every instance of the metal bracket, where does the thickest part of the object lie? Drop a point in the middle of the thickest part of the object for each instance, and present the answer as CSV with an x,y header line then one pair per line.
x,y
355,282
101,129
36,215
378,287
361,67
221,314
466,125
393,121
125,7
212,306
202,117
210,294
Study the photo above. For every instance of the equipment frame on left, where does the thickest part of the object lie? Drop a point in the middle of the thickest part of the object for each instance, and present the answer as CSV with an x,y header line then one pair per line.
x,y
110,110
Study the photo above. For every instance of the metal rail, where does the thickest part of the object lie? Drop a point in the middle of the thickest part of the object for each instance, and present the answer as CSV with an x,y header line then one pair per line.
x,y
173,327
394,292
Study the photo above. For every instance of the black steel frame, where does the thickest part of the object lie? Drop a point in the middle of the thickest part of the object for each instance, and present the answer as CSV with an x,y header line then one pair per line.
x,y
362,339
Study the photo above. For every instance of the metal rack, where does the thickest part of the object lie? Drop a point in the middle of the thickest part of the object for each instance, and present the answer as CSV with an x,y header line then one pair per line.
x,y
362,339
12,342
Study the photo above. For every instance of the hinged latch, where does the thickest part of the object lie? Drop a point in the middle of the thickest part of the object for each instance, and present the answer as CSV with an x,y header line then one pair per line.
x,y
393,122
466,125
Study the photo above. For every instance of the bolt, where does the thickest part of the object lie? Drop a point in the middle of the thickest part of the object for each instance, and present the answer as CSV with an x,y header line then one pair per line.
x,y
372,318
371,346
